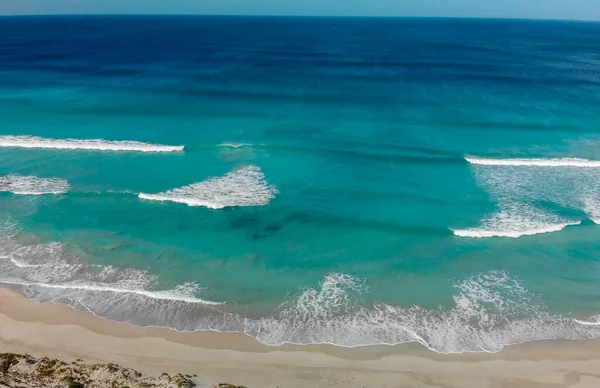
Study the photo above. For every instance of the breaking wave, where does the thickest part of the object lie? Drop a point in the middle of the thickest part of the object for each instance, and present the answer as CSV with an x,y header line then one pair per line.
x,y
84,144
235,145
32,185
246,186
591,206
515,221
489,311
50,272
520,188
559,162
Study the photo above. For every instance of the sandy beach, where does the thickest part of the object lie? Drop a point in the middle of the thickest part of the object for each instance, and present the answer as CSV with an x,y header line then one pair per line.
x,y
57,331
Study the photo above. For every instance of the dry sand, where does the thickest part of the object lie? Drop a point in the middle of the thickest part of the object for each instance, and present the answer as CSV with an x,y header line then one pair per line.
x,y
59,332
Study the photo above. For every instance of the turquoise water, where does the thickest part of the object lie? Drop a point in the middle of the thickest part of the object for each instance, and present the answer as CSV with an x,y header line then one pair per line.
x,y
345,181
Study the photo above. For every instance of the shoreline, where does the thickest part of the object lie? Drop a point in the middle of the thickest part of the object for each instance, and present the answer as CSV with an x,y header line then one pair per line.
x,y
58,331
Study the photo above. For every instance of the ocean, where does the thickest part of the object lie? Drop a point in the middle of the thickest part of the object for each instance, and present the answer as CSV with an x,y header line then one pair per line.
x,y
346,181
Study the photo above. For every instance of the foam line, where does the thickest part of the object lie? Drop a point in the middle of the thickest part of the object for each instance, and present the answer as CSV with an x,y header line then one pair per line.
x,y
180,199
160,295
560,162
84,144
486,233
235,145
586,323
32,185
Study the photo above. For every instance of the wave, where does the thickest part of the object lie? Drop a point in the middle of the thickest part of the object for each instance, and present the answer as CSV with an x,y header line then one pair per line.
x,y
517,184
171,295
517,220
592,321
49,269
235,145
334,314
32,185
246,186
482,233
87,144
490,311
559,162
592,207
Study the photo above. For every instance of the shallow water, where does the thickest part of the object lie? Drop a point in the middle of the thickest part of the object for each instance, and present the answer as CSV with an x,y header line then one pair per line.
x,y
346,181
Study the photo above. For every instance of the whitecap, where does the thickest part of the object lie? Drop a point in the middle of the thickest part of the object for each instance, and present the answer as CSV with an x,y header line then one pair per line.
x,y
517,220
235,145
592,207
84,144
32,185
520,187
246,186
558,162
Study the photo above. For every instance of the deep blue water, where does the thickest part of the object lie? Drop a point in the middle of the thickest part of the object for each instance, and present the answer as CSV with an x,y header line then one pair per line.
x,y
351,181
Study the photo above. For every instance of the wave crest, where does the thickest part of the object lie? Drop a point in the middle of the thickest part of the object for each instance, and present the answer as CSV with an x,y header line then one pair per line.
x,y
246,186
558,162
234,145
517,220
528,192
84,144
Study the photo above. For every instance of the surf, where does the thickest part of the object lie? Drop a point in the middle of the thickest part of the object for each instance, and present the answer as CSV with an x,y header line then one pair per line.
x,y
84,144
517,220
529,192
559,162
235,145
483,233
51,268
33,185
246,186
491,310
168,295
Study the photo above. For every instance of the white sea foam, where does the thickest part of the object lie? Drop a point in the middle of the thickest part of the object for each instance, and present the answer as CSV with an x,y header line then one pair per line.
x,y
49,269
235,145
482,233
246,186
559,162
21,264
32,185
592,207
592,321
515,221
171,295
84,144
526,189
491,310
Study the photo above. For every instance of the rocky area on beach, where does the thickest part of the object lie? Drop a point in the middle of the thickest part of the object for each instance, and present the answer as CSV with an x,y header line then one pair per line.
x,y
25,371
